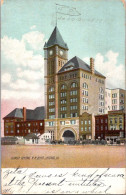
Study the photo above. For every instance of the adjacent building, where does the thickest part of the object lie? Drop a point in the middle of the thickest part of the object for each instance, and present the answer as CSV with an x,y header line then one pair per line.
x,y
115,99
110,126
21,122
71,88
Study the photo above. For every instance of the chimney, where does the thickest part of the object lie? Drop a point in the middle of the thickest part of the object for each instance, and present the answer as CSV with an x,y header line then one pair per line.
x,y
92,65
24,113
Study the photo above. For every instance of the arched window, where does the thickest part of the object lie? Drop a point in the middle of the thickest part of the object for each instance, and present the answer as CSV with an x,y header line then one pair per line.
x,y
73,85
63,87
51,89
85,85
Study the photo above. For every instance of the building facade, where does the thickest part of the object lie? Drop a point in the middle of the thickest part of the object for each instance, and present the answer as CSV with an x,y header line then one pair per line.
x,y
115,99
71,88
21,122
110,126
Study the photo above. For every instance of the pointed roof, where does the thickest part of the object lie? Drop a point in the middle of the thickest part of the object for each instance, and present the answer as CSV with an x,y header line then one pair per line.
x,y
16,113
36,114
56,39
76,63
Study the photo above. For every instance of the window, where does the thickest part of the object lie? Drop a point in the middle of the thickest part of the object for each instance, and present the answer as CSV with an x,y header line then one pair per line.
x,y
51,109
73,92
97,127
85,107
63,101
73,107
89,122
63,94
101,128
110,120
121,95
120,120
51,103
40,124
115,120
114,101
63,108
73,100
81,128
81,122
106,128
29,131
101,90
73,114
89,128
51,89
85,128
72,122
51,116
114,95
18,125
51,123
85,85
85,122
63,87
85,100
63,115
29,124
18,131
62,122
51,96
101,120
106,120
84,92
114,107
73,85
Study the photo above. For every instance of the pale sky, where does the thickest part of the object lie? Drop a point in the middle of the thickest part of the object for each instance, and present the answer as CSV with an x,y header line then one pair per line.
x,y
96,30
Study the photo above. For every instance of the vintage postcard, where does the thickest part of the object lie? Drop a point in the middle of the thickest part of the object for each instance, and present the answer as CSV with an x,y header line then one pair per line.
x,y
63,97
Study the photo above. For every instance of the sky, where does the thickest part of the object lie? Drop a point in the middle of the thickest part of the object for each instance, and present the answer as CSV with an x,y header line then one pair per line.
x,y
90,29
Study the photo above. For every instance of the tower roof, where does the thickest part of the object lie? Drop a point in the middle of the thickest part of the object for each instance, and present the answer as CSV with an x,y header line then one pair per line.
x,y
56,39
76,63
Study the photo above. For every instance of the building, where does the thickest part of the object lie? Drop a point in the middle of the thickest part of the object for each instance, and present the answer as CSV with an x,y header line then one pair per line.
x,y
101,126
87,126
71,88
21,122
115,99
116,125
110,126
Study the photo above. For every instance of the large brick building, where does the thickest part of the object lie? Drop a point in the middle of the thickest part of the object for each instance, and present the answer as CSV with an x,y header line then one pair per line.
x,y
71,88
21,122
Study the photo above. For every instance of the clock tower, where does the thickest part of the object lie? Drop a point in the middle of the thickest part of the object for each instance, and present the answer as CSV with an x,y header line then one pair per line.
x,y
55,56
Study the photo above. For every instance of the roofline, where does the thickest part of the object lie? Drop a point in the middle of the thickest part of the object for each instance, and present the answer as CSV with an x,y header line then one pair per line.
x,y
116,88
83,70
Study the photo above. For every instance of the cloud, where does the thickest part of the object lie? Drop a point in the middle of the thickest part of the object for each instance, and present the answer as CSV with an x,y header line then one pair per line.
x,y
108,66
22,84
6,78
35,39
15,50
14,94
33,27
30,74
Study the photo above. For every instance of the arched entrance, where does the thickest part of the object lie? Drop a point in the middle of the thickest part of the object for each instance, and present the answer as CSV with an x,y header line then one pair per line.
x,y
68,136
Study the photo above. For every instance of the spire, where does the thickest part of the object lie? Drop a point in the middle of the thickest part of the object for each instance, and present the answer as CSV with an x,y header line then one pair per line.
x,y
56,39
45,45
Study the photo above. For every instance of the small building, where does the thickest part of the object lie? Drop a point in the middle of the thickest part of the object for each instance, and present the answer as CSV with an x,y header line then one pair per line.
x,y
21,122
116,125
44,138
101,126
86,126
9,140
31,138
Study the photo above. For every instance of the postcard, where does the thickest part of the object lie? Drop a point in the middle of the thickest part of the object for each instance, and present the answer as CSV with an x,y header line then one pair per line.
x,y
63,97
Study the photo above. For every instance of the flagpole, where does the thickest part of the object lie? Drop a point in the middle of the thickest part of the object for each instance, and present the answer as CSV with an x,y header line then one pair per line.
x,y
56,15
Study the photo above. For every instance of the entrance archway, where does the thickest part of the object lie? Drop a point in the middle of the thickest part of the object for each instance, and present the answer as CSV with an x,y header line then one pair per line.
x,y
68,136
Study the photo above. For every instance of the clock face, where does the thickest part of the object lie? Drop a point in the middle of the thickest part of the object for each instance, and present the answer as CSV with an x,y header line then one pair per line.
x,y
61,52
51,52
